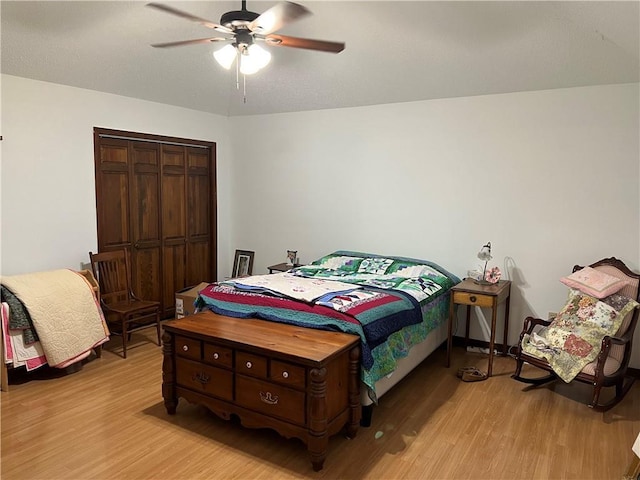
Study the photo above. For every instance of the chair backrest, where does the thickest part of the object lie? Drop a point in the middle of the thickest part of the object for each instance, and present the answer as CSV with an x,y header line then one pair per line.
x,y
616,268
111,269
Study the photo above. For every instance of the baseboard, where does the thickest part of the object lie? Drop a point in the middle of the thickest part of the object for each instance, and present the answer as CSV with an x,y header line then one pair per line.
x,y
459,342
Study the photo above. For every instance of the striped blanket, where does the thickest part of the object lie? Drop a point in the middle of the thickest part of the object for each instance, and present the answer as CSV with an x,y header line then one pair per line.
x,y
372,315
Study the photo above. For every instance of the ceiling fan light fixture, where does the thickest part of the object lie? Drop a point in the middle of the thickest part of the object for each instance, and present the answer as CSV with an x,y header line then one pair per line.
x,y
225,56
253,59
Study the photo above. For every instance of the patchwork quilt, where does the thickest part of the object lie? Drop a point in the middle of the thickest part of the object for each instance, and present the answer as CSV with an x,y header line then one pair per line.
x,y
421,279
391,303
574,337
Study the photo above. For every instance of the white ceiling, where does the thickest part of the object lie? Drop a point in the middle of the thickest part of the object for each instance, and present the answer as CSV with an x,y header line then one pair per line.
x,y
395,51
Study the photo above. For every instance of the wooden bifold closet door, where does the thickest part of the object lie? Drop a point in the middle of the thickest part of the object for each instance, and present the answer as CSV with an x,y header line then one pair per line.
x,y
156,197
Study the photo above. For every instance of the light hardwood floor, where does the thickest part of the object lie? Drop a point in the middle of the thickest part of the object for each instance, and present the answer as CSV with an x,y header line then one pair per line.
x,y
108,421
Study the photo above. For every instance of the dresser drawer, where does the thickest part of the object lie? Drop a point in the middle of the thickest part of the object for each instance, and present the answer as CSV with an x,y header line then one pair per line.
x,y
188,347
250,364
466,298
218,355
271,399
287,374
204,378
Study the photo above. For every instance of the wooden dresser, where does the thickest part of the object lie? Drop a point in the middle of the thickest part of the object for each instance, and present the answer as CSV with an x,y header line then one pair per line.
x,y
298,381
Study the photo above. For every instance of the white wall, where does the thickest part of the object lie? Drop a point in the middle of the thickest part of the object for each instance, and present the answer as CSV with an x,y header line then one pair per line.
x,y
551,178
48,181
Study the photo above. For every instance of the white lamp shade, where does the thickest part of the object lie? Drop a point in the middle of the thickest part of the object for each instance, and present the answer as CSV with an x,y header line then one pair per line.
x,y
485,252
254,59
225,56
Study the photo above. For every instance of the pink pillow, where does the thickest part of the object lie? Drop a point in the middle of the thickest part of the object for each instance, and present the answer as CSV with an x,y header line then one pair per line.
x,y
594,282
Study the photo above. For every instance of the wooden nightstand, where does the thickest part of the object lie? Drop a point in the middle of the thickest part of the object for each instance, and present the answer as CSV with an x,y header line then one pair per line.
x,y
471,294
281,267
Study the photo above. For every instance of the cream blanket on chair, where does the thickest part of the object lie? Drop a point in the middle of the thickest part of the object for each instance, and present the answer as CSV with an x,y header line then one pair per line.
x,y
64,311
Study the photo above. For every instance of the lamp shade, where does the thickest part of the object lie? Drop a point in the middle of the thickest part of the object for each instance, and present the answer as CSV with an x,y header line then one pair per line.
x,y
254,59
225,56
485,252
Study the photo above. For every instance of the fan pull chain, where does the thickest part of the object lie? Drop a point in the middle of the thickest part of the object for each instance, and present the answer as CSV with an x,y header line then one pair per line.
x,y
238,74
244,88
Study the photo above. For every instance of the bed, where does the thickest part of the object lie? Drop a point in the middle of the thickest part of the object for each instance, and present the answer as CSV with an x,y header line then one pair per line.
x,y
398,307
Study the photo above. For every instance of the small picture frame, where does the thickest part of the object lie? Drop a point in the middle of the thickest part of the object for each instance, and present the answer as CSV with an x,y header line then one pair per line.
x,y
242,263
292,257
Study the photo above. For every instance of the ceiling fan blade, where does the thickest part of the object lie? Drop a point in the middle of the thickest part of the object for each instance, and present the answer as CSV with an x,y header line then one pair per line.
x,y
182,43
188,16
277,17
307,43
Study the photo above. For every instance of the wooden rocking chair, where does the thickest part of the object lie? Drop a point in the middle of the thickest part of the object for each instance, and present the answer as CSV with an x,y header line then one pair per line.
x,y
610,367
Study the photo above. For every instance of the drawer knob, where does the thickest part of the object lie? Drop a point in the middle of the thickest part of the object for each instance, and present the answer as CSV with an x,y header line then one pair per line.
x,y
285,374
185,348
216,356
473,298
269,398
249,364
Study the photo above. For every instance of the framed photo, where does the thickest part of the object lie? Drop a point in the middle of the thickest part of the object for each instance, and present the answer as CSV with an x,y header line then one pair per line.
x,y
242,263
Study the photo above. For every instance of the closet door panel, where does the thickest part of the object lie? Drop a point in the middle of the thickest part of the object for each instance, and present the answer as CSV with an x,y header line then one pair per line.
x,y
146,262
146,282
145,198
199,158
115,194
198,269
199,213
174,274
174,208
112,195
200,231
174,222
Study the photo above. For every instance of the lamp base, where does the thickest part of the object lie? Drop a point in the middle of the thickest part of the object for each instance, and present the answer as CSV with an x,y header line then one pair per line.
x,y
483,282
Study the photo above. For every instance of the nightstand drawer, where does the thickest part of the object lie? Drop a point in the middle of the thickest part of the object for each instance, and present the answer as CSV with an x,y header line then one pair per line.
x,y
466,298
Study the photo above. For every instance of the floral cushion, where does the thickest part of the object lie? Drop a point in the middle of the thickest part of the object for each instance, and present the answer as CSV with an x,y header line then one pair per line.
x,y
574,337
594,282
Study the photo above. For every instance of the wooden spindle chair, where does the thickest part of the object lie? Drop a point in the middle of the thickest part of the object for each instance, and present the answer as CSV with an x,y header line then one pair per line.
x,y
123,310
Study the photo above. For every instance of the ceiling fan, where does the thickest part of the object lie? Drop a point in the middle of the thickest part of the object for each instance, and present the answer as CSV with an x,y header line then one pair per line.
x,y
245,28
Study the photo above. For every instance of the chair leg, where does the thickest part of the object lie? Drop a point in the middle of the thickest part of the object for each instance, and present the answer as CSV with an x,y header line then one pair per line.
x,y
596,395
124,338
519,364
622,388
158,328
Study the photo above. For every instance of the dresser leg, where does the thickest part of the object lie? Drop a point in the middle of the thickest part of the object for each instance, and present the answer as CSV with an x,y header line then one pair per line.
x,y
168,375
318,438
